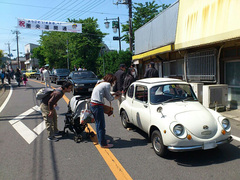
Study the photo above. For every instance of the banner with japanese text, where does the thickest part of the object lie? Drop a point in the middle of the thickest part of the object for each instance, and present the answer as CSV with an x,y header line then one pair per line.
x,y
49,25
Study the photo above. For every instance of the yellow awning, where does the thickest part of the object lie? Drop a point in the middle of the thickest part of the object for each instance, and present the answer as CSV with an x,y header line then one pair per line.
x,y
153,52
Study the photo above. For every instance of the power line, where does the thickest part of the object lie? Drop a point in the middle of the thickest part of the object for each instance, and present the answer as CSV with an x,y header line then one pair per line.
x,y
52,10
81,13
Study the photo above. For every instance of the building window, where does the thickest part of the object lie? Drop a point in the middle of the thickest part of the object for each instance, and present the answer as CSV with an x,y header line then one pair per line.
x,y
201,66
173,69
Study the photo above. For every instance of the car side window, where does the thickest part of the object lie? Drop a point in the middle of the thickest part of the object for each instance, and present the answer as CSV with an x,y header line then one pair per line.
x,y
141,93
130,91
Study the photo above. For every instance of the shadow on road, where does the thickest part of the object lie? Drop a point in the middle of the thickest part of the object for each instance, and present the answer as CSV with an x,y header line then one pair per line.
x,y
222,154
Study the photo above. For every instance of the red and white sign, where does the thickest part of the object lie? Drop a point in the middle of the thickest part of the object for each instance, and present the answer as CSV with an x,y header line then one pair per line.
x,y
49,25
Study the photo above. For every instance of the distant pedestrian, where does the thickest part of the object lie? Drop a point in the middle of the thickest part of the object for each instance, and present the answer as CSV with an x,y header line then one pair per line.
x,y
120,75
8,76
75,68
129,79
41,74
79,69
24,80
49,113
18,76
135,74
2,75
46,76
151,71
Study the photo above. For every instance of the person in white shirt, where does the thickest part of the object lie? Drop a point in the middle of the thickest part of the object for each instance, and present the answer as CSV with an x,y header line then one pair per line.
x,y
46,76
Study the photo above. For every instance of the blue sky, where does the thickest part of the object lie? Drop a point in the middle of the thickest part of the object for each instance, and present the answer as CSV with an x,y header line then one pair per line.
x,y
58,10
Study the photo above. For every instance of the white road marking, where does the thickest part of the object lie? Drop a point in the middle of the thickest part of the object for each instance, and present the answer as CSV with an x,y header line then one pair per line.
x,y
21,116
24,131
27,134
37,108
40,128
236,138
7,99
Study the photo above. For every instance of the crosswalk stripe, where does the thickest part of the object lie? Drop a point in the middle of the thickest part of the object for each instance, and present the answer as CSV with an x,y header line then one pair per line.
x,y
236,138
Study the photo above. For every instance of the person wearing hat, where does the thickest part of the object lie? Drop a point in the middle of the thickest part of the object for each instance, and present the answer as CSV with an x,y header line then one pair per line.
x,y
46,76
151,71
120,75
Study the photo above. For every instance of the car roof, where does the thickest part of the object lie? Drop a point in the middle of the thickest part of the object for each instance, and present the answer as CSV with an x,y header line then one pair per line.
x,y
159,80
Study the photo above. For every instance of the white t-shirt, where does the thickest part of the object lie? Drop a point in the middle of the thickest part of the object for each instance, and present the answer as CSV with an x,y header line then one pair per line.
x,y
46,75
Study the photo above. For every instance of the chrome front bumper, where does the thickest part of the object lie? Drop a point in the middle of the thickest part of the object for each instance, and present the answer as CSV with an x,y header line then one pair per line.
x,y
199,147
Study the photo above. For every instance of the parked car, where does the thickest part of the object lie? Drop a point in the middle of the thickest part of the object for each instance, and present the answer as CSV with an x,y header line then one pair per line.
x,y
170,113
59,75
30,73
83,81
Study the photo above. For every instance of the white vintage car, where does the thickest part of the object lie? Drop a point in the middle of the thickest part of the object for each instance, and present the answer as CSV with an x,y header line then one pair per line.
x,y
169,112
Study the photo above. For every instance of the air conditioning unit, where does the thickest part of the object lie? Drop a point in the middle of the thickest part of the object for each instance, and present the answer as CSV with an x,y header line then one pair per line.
x,y
198,90
215,95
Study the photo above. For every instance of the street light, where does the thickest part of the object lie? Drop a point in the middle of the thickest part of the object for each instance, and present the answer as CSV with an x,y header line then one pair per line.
x,y
115,27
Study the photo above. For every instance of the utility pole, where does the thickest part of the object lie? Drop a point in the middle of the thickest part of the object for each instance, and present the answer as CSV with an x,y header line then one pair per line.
x,y
130,25
17,32
129,3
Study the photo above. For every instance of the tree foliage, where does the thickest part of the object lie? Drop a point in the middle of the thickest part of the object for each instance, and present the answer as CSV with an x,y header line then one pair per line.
x,y
1,55
83,48
142,13
111,61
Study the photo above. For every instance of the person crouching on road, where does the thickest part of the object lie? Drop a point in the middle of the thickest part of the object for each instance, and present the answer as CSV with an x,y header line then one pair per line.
x,y
47,107
101,91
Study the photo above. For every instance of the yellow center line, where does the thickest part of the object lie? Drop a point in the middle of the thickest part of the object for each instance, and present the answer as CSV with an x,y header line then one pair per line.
x,y
115,166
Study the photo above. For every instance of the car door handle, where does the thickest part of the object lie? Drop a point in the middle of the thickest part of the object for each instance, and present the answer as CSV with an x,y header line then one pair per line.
x,y
145,105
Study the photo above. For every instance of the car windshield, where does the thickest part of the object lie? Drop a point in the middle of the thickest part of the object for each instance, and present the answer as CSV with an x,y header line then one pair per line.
x,y
82,75
171,92
62,71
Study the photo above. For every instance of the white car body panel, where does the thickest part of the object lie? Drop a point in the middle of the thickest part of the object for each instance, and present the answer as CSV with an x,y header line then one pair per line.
x,y
204,125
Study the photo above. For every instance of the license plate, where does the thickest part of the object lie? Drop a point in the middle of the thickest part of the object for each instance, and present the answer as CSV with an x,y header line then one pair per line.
x,y
209,145
90,89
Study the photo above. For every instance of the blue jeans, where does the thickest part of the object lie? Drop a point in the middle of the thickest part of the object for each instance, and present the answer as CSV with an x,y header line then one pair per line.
x,y
98,114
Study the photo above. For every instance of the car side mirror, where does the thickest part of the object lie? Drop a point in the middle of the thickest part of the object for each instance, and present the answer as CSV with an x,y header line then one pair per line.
x,y
159,109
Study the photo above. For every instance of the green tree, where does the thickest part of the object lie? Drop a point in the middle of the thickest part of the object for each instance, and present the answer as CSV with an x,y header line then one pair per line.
x,y
111,61
83,48
37,53
1,55
142,13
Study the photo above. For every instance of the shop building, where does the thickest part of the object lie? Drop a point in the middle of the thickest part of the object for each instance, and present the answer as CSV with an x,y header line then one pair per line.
x,y
197,41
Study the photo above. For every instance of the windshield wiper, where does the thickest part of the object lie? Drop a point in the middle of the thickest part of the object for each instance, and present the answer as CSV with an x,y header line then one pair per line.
x,y
173,99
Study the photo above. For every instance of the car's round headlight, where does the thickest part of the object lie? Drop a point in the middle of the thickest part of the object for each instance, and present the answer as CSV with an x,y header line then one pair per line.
x,y
178,129
225,124
75,84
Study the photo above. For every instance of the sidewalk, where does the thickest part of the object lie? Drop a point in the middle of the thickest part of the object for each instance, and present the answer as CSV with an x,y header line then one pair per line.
x,y
232,114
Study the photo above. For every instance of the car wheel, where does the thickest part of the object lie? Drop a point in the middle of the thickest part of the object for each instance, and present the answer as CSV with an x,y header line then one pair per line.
x,y
124,119
157,144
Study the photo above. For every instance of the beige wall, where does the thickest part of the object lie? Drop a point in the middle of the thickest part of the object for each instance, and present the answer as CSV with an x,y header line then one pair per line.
x,y
207,21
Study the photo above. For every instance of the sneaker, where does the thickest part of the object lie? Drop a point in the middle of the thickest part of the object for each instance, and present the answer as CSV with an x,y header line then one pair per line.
x,y
108,141
59,133
52,139
108,146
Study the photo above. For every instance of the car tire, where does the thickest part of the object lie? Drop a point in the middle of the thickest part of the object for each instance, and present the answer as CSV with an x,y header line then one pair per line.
x,y
124,119
157,143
